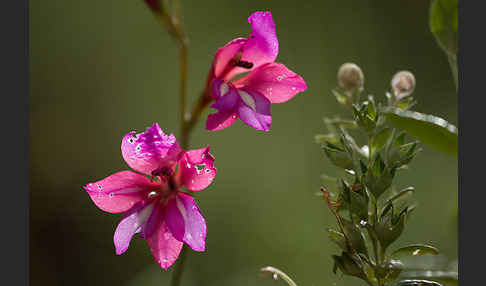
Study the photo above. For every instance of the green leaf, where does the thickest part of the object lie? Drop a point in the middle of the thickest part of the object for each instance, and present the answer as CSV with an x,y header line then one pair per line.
x,y
416,282
431,130
380,139
400,194
414,250
443,24
338,238
323,138
445,278
355,236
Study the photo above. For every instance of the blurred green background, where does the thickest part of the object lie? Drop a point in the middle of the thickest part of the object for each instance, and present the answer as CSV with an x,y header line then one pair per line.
x,y
99,69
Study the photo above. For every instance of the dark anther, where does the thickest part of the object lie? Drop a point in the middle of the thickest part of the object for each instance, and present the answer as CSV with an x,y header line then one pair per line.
x,y
240,63
164,171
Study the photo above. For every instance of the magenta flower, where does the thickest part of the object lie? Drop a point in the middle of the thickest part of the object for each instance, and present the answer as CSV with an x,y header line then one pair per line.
x,y
250,96
156,207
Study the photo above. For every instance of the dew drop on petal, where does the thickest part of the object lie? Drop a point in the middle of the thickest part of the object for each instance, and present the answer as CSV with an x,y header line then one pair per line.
x,y
111,195
165,260
275,276
166,236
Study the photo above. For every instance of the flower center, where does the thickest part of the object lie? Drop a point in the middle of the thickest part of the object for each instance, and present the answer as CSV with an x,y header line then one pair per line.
x,y
165,174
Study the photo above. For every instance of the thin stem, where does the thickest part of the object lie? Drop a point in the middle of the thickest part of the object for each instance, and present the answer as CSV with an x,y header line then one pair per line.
x,y
179,268
278,273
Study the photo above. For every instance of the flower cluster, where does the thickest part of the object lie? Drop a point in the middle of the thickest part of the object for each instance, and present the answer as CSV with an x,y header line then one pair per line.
x,y
151,196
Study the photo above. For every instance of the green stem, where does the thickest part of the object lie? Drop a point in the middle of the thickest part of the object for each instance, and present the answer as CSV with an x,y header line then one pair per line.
x,y
179,268
453,65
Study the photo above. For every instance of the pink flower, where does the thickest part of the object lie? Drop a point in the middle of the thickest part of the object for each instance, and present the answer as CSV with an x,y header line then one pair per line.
x,y
157,208
250,96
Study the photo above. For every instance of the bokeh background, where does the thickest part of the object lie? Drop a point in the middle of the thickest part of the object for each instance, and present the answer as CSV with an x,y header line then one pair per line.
x,y
99,69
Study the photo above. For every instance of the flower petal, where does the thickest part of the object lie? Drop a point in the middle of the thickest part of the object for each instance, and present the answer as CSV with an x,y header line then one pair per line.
x,y
220,120
259,48
224,55
120,191
254,110
150,150
275,81
165,248
132,223
192,230
226,95
262,44
197,169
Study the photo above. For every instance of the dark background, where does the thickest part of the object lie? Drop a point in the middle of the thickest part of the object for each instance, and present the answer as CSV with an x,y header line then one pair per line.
x,y
99,69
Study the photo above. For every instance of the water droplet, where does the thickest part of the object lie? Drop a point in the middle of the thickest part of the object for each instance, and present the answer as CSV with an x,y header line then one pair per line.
x,y
416,252
100,187
166,236
208,170
203,155
363,223
188,165
112,195
280,77
188,236
165,260
131,140
293,88
152,194
275,276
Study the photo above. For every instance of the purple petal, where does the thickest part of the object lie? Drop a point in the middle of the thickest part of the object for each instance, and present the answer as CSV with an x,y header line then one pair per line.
x,y
132,223
150,150
197,169
226,94
254,110
275,81
120,191
192,230
174,219
220,120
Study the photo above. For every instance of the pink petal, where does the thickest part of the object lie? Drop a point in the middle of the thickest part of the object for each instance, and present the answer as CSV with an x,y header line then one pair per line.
x,y
262,45
186,222
196,169
120,191
275,81
150,150
224,55
132,223
163,245
254,110
259,48
220,120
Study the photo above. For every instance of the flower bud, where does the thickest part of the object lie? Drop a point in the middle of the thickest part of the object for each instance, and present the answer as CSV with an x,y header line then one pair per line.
x,y
403,84
350,76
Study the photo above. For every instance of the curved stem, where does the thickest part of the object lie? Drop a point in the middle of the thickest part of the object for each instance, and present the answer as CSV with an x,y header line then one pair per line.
x,y
278,273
